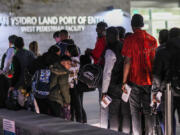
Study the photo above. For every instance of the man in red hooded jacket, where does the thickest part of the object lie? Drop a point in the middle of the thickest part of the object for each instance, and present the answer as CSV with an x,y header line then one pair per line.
x,y
100,45
97,54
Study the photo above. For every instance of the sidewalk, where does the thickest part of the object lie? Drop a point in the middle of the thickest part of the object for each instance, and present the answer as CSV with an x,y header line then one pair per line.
x,y
91,106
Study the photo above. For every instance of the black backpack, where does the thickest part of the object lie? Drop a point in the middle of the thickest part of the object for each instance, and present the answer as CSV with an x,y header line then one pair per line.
x,y
41,83
90,74
82,87
175,72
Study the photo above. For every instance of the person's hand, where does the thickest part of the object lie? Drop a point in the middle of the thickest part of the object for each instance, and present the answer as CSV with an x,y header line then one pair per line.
x,y
154,98
88,51
11,88
67,106
103,98
103,95
123,88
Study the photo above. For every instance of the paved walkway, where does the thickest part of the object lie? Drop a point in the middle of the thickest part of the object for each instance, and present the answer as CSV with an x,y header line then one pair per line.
x,y
91,105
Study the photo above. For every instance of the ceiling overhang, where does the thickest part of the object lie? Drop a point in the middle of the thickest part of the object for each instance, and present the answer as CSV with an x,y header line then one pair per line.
x,y
155,3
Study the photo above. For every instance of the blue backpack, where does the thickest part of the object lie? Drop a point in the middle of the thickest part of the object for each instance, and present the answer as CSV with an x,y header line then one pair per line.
x,y
41,83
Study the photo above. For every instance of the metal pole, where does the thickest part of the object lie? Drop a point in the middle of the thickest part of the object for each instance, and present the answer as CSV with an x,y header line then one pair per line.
x,y
166,24
168,111
150,21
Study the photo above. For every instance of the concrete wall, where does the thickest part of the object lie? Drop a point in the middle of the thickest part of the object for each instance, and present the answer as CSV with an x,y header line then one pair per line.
x,y
63,7
83,39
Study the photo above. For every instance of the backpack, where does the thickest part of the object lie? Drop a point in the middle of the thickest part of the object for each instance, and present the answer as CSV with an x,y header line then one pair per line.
x,y
175,73
90,74
82,87
41,83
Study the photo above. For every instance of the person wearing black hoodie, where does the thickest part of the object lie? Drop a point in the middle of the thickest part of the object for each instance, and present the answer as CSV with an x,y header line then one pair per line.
x,y
21,60
61,38
161,75
49,58
119,112
174,49
163,38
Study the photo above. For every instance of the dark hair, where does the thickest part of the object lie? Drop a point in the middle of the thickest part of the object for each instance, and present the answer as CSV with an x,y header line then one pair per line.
x,y
102,25
163,36
121,31
19,43
84,59
128,34
63,32
112,30
56,34
174,32
73,50
33,46
54,49
69,41
12,39
65,58
137,21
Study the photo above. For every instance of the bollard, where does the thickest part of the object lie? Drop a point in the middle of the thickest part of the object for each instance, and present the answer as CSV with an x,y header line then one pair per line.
x,y
168,110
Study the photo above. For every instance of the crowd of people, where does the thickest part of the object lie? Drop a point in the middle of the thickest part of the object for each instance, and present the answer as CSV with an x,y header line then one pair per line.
x,y
50,81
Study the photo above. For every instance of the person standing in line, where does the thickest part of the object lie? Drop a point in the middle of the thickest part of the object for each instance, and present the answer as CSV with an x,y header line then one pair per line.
x,y
84,59
56,36
161,66
122,32
125,114
174,34
43,62
112,81
6,70
100,45
21,60
6,64
163,38
160,70
59,97
96,54
76,107
33,47
139,51
60,37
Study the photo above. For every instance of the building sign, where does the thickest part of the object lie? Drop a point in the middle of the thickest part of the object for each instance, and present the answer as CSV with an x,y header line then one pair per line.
x,y
49,23
8,127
